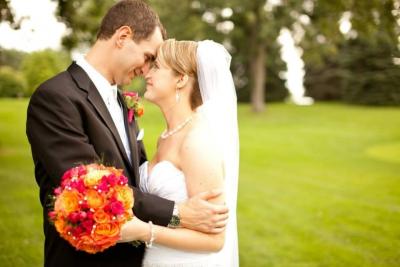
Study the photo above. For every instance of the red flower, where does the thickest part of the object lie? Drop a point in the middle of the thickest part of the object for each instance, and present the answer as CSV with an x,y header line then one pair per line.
x,y
73,217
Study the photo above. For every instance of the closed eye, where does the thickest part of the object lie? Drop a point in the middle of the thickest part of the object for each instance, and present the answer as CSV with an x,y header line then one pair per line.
x,y
154,65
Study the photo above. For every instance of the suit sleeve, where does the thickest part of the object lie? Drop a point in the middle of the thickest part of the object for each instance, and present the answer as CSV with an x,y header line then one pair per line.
x,y
55,130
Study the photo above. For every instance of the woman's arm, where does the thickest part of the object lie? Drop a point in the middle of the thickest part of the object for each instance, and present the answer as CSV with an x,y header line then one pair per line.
x,y
202,165
181,238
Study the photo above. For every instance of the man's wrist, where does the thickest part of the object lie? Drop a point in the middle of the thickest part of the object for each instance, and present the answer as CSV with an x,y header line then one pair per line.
x,y
175,221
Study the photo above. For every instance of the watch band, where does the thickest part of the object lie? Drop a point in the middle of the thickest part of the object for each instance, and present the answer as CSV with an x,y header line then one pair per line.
x,y
175,219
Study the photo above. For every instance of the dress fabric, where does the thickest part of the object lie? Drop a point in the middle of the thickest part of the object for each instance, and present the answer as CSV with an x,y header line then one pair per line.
x,y
167,181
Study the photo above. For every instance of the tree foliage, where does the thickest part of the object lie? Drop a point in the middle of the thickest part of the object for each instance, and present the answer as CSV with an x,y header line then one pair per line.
x,y
252,41
40,66
12,83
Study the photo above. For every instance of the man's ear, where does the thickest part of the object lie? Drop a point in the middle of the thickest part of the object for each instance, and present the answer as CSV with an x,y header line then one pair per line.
x,y
123,34
183,80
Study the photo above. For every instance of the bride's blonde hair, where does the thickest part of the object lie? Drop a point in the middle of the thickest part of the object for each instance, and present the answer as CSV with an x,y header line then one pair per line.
x,y
180,56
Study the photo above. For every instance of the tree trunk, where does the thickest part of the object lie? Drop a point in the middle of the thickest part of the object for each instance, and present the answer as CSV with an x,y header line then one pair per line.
x,y
258,77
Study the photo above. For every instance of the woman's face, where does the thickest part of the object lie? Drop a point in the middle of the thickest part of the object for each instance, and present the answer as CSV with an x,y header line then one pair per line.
x,y
161,84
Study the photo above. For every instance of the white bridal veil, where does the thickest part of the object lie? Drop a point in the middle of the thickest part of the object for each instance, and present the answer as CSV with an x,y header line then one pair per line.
x,y
220,110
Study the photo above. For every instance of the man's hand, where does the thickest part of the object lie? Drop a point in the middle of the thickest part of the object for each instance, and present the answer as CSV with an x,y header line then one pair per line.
x,y
199,214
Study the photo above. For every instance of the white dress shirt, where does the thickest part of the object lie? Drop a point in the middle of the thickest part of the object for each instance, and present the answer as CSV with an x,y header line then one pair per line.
x,y
108,93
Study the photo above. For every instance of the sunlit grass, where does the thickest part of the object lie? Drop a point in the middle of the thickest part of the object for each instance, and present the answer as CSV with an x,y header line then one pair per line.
x,y
319,186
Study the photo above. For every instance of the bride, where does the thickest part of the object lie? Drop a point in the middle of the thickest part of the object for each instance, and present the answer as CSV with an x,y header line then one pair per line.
x,y
192,85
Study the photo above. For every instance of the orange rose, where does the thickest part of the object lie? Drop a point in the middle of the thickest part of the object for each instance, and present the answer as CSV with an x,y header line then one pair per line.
x,y
94,199
67,201
125,195
105,231
117,172
101,217
59,224
86,243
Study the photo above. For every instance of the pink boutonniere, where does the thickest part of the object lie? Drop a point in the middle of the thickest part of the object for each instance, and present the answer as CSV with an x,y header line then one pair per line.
x,y
135,108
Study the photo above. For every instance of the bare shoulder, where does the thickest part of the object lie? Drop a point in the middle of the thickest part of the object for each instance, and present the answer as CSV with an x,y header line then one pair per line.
x,y
199,142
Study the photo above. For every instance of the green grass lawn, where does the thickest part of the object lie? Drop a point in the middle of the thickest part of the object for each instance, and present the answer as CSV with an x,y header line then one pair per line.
x,y
319,186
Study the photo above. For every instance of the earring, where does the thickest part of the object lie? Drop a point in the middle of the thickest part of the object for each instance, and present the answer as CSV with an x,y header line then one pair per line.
x,y
177,96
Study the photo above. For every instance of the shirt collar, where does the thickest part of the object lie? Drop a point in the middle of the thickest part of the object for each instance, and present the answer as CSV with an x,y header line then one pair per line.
x,y
103,86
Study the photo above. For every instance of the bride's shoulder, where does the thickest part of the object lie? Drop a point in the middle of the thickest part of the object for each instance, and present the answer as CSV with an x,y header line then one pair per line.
x,y
199,139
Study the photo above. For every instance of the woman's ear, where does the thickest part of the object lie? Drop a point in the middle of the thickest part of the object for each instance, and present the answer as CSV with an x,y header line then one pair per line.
x,y
183,80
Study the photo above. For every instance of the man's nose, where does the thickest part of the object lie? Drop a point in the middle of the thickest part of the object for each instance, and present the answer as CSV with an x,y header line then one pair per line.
x,y
138,72
145,69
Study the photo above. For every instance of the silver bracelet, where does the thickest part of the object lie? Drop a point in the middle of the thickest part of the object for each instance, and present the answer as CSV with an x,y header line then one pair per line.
x,y
152,236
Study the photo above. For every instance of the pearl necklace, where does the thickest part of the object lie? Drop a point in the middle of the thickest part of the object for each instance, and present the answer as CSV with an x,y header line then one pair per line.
x,y
167,134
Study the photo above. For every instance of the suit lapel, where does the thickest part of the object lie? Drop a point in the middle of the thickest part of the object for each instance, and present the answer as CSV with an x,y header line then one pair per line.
x,y
95,99
131,133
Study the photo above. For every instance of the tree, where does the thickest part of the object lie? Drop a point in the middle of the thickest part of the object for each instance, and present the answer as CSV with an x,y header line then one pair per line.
x,y
83,18
6,14
11,57
12,83
349,66
252,41
40,66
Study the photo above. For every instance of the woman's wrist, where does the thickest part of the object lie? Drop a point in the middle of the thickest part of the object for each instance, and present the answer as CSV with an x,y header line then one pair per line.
x,y
152,238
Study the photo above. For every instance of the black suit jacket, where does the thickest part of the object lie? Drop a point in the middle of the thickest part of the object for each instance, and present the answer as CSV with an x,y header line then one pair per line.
x,y
68,124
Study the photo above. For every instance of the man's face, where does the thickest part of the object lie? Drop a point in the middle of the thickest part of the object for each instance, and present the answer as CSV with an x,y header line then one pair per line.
x,y
134,58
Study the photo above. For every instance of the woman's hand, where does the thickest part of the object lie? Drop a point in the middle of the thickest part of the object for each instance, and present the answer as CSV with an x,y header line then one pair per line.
x,y
134,229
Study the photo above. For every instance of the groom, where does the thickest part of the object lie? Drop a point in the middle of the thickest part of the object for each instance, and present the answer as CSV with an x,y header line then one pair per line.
x,y
79,117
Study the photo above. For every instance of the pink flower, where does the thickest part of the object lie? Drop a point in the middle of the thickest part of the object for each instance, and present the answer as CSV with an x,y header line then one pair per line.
x,y
103,185
131,94
57,191
82,170
67,175
123,180
112,179
117,208
79,185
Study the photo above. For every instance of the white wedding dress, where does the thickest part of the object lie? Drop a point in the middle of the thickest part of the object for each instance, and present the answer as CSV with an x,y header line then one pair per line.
x,y
167,181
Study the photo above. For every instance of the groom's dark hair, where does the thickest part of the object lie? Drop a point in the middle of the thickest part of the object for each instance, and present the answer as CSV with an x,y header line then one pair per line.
x,y
136,14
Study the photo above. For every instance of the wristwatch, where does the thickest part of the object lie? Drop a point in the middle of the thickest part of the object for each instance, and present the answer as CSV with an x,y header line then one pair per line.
x,y
175,219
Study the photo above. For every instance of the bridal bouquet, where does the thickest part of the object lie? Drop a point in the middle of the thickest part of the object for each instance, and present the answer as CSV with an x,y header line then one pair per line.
x,y
91,205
